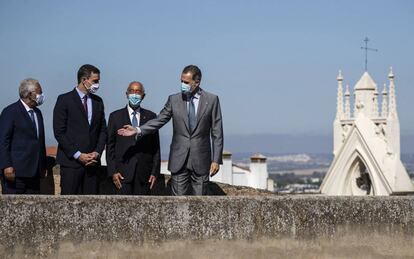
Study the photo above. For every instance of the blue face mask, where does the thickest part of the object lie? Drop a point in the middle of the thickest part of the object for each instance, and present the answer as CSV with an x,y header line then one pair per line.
x,y
134,99
185,88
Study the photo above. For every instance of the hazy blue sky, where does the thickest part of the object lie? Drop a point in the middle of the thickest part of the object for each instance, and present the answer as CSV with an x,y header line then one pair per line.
x,y
273,63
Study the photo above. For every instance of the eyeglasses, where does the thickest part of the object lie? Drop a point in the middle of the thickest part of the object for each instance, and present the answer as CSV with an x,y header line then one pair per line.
x,y
135,92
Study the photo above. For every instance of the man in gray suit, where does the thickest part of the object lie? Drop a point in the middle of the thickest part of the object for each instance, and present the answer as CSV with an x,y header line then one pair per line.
x,y
196,117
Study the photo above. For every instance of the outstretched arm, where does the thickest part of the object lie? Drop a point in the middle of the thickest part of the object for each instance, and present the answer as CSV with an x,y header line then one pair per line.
x,y
150,126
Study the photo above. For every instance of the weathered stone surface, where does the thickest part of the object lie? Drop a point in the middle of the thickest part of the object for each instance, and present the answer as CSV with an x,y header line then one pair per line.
x,y
40,224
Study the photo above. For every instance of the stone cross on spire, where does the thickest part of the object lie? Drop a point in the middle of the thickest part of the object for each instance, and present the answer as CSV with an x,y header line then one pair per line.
x,y
366,52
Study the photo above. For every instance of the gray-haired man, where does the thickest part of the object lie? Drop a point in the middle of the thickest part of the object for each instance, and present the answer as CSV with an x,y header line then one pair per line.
x,y
22,141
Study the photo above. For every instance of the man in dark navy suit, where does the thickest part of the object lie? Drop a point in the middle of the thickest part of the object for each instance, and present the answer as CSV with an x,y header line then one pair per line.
x,y
80,129
22,141
134,166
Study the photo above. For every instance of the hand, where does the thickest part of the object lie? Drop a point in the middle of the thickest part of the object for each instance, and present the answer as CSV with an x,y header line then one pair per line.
x,y
92,162
116,179
95,154
9,174
127,131
152,180
87,159
214,168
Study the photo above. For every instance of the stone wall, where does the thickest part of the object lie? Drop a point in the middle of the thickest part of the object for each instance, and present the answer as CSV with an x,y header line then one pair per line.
x,y
39,224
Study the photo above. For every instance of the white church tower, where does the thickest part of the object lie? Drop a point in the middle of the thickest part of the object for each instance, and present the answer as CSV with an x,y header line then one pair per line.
x,y
366,143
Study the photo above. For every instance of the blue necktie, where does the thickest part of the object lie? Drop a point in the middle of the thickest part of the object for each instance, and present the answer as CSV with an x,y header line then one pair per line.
x,y
33,120
134,119
191,115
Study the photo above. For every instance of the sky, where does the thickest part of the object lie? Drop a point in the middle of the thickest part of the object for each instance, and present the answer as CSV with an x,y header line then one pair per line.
x,y
273,64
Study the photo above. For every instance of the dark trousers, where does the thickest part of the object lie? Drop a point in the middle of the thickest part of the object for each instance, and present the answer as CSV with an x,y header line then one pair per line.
x,y
188,182
136,186
82,180
133,188
21,185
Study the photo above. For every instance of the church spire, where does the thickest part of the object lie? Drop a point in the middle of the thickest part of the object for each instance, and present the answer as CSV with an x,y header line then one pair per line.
x,y
384,109
339,99
347,103
392,110
375,112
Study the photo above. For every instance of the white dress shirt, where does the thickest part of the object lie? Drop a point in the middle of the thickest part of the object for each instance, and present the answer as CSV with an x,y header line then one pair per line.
x,y
138,115
89,104
196,100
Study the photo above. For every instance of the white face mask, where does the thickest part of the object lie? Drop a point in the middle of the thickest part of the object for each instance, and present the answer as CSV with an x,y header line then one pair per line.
x,y
94,88
40,99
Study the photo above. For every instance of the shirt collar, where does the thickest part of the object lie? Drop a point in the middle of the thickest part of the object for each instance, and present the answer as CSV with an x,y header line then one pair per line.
x,y
80,93
26,106
197,94
130,110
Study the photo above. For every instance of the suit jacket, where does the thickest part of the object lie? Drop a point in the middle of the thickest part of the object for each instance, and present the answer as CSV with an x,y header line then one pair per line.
x,y
72,130
195,145
128,156
20,147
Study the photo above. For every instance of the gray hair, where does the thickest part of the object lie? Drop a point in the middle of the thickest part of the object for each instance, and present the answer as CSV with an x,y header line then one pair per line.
x,y
27,86
137,82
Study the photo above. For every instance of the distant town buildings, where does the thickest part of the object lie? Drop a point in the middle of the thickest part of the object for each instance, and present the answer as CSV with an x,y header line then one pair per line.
x,y
366,143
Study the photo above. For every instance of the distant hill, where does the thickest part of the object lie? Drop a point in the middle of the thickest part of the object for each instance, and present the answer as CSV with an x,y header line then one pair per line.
x,y
283,144
293,143
277,144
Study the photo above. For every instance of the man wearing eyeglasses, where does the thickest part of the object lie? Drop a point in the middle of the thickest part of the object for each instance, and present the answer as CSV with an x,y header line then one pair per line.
x,y
133,165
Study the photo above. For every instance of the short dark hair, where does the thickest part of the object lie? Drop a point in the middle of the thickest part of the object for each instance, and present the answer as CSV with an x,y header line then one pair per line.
x,y
193,69
86,70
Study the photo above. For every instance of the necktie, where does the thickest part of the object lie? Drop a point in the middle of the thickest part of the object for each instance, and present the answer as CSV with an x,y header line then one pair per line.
x,y
33,119
134,119
191,114
85,104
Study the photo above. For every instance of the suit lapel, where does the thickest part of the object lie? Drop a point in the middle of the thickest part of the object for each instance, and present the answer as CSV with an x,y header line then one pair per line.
x,y
40,123
79,104
184,112
28,120
143,117
202,105
94,108
126,119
